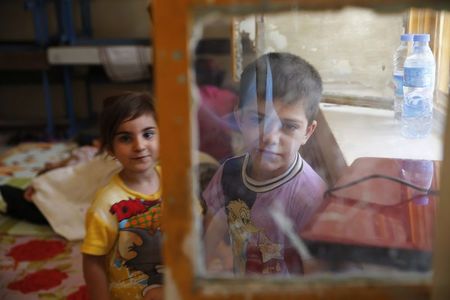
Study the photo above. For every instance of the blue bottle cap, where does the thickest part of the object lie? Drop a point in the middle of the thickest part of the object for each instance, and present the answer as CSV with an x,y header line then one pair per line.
x,y
425,37
406,37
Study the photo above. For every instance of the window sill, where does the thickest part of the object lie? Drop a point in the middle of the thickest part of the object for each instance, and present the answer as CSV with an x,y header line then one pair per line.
x,y
346,133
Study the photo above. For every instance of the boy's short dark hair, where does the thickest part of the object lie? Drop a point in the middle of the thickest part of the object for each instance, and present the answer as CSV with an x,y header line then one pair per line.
x,y
119,108
293,79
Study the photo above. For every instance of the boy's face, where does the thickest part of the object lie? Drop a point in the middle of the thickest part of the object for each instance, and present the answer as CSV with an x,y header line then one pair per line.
x,y
273,135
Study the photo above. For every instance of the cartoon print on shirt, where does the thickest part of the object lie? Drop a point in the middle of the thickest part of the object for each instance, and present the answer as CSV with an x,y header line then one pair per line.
x,y
125,209
139,238
252,257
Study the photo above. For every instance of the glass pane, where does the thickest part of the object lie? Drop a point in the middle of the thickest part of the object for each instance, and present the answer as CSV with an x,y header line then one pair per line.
x,y
293,187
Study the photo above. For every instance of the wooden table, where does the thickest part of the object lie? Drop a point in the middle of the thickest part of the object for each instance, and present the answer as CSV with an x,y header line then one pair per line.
x,y
378,220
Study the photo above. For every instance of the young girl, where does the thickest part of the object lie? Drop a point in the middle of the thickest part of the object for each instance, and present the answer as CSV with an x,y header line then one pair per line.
x,y
121,251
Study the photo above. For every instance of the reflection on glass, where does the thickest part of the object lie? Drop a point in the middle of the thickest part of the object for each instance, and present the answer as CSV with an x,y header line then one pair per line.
x,y
215,108
280,195
278,99
375,215
420,174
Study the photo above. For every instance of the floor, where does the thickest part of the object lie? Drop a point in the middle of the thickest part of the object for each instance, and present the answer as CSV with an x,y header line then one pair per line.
x,y
35,262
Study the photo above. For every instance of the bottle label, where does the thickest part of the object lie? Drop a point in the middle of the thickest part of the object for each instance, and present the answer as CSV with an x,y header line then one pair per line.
x,y
398,82
418,77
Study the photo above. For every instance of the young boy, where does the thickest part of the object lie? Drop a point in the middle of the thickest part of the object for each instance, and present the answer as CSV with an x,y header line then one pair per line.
x,y
279,97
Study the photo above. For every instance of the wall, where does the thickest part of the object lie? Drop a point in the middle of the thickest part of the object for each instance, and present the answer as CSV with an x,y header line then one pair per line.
x,y
351,48
324,39
110,19
327,38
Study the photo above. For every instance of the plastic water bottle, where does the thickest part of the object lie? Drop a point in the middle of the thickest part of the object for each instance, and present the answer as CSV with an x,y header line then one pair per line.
x,y
399,59
418,89
420,173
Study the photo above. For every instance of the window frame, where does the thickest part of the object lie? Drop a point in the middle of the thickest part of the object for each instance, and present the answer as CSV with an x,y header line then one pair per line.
x,y
172,46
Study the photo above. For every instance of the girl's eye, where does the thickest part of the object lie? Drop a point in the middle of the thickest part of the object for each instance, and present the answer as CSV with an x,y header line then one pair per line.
x,y
124,138
149,134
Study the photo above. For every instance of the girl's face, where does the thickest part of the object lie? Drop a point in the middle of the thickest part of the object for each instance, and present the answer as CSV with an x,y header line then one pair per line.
x,y
136,145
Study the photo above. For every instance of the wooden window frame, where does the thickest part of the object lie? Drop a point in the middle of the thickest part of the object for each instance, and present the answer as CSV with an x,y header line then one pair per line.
x,y
171,36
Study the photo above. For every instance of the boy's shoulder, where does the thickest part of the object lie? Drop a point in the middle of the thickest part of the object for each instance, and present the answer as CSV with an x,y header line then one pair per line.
x,y
234,162
305,179
309,182
232,168
310,173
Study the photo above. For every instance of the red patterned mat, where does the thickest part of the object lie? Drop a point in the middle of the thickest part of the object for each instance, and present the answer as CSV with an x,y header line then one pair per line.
x,y
40,268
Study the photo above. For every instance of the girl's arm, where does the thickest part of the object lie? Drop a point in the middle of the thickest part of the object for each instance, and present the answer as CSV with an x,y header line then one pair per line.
x,y
29,192
156,293
94,270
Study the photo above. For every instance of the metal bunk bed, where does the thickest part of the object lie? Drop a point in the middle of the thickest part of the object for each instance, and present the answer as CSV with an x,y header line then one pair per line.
x,y
68,48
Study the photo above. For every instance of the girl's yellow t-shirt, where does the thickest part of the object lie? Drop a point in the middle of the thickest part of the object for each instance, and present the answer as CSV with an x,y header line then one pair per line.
x,y
125,226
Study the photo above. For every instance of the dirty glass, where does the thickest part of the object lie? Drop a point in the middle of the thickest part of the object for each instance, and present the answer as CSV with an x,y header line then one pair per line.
x,y
290,182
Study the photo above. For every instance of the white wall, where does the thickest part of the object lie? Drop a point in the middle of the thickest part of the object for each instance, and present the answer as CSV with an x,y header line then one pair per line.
x,y
352,49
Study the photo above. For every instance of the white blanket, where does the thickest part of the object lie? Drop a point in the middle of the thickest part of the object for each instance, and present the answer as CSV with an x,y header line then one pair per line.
x,y
63,195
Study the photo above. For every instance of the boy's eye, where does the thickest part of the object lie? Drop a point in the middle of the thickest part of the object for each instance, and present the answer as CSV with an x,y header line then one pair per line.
x,y
255,119
290,126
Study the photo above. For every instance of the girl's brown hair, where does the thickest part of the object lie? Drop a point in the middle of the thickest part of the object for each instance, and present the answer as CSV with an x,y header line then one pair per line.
x,y
119,108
